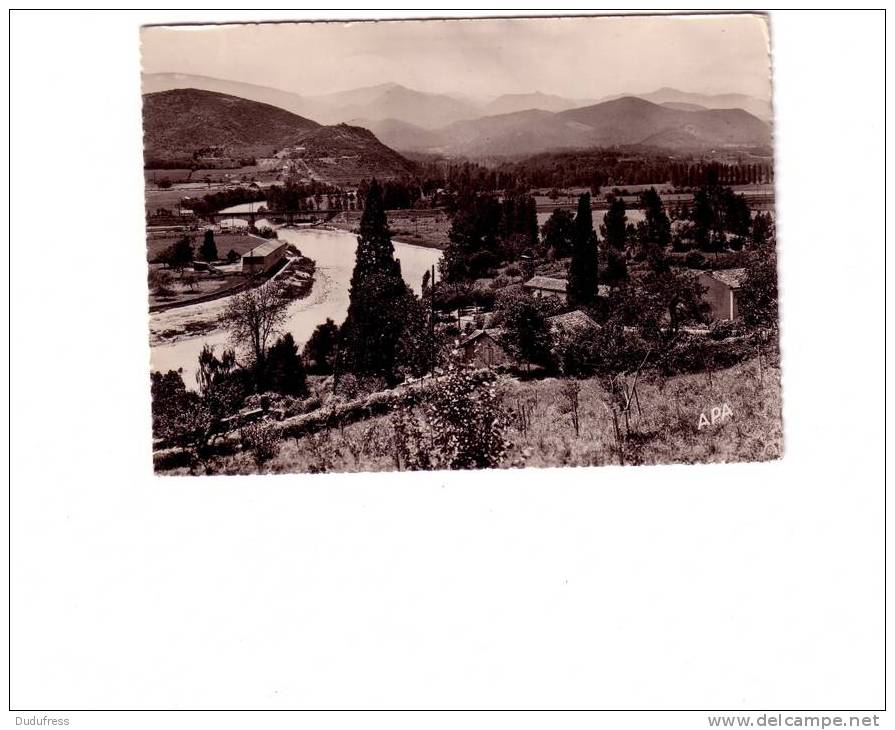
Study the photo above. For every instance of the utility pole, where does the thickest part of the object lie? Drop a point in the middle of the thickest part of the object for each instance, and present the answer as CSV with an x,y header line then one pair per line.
x,y
432,322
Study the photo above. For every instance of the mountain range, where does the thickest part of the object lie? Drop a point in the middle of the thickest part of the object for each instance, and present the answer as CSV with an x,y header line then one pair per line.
x,y
380,102
625,121
241,120
428,110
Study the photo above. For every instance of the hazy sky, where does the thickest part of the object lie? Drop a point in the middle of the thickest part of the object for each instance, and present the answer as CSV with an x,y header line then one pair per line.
x,y
574,57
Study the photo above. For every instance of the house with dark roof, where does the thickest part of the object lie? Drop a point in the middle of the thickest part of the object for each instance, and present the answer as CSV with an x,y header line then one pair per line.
x,y
572,322
722,291
545,286
482,349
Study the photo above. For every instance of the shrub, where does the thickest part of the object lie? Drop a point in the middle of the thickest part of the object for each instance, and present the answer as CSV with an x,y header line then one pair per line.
x,y
723,329
482,297
467,423
159,282
262,439
453,296
310,404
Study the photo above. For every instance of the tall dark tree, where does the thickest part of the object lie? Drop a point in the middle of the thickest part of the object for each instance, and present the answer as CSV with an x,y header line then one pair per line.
x,y
372,332
762,228
285,371
526,329
375,252
320,349
378,297
703,216
558,232
475,226
658,228
583,273
208,250
529,222
615,224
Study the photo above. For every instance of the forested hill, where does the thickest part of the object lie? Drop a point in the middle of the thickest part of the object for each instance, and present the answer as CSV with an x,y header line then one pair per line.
x,y
185,125
184,121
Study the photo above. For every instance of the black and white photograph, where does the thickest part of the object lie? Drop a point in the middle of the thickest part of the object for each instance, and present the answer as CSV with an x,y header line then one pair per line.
x,y
461,244
447,369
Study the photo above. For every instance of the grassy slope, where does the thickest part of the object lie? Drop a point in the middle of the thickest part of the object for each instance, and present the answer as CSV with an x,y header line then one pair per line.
x,y
666,432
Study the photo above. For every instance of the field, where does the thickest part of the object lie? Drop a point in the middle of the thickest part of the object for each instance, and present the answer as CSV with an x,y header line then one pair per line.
x,y
225,242
169,198
427,228
733,414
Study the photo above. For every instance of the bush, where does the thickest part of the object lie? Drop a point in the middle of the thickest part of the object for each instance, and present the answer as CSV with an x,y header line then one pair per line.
x,y
262,439
310,404
723,329
466,421
453,296
159,282
483,298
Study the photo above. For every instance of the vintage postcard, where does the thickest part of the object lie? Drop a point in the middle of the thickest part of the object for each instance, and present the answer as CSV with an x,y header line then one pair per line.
x,y
461,244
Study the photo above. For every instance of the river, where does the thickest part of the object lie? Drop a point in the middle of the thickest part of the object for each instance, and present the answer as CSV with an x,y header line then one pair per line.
x,y
334,253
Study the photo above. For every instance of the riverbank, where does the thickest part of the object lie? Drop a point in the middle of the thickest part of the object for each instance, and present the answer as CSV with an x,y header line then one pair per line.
x,y
201,316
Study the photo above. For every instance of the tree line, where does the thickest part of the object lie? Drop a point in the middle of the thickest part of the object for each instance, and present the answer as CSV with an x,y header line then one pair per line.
x,y
597,169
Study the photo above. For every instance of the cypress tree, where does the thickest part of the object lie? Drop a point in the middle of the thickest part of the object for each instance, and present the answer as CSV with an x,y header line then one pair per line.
x,y
285,370
209,249
658,226
378,297
583,274
615,224
375,252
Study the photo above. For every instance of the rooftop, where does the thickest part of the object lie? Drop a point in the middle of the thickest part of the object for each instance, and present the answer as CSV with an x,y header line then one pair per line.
x,y
576,320
732,277
264,249
475,334
548,283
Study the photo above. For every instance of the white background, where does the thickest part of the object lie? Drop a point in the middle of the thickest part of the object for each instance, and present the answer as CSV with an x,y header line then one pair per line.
x,y
739,587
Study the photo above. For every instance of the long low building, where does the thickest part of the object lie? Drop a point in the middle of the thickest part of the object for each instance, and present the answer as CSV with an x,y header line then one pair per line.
x,y
263,257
